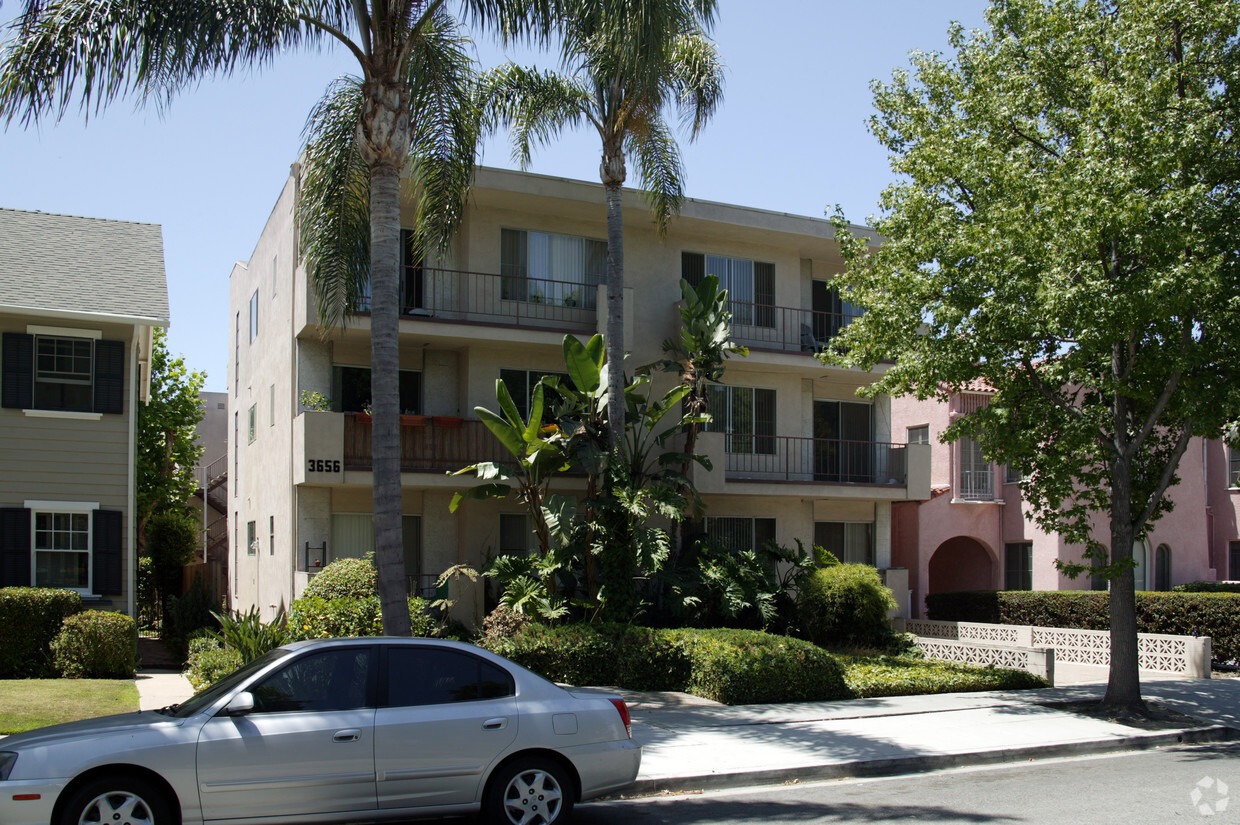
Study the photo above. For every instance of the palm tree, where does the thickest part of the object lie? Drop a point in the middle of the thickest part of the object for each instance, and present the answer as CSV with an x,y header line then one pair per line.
x,y
626,63
95,51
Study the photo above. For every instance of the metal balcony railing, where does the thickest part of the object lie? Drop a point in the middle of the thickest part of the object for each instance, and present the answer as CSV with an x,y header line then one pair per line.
x,y
785,329
496,300
815,460
977,484
427,447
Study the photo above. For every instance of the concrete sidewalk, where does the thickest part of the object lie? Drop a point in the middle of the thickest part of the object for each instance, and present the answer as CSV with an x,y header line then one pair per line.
x,y
692,744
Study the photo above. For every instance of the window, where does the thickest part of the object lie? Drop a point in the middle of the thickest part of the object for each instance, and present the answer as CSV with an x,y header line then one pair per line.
x,y
739,534
235,483
1233,467
1018,569
326,681
63,544
62,550
431,676
1233,560
516,536
746,415
271,406
252,416
251,538
253,316
271,535
521,383
544,268
1162,568
852,542
237,358
62,370
1140,554
351,388
750,285
353,536
275,274
976,483
919,435
1013,475
844,442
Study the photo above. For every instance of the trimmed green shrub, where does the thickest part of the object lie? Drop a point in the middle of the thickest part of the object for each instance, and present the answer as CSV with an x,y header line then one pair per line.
x,y
30,618
846,604
1216,615
315,617
1207,587
906,676
344,579
209,661
96,645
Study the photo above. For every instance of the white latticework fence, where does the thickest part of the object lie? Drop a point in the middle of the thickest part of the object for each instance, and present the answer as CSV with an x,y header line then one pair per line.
x,y
1185,655
1038,662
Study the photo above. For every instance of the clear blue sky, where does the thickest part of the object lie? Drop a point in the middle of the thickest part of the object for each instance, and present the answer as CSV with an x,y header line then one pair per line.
x,y
790,136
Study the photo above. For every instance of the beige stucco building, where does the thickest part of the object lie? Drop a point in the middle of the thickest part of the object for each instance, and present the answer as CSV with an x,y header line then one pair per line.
x,y
797,454
79,298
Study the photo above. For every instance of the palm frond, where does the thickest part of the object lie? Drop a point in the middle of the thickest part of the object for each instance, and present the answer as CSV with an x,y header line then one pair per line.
x,y
96,51
657,158
535,105
697,81
335,204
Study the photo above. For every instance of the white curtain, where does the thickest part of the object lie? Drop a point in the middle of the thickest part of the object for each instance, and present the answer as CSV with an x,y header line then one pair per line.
x,y
353,535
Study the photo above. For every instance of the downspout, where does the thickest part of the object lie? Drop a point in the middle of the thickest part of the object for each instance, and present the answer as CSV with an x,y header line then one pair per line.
x,y
135,381
294,492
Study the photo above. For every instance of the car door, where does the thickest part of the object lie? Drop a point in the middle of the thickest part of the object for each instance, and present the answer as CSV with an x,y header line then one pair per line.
x,y
445,715
306,748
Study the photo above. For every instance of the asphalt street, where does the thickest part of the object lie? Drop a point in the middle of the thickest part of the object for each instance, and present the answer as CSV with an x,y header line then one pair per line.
x,y
1180,785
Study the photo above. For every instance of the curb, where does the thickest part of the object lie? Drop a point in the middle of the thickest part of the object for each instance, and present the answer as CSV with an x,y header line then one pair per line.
x,y
923,764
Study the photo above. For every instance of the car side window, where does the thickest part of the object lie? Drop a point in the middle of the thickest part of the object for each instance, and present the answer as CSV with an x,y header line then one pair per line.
x,y
432,676
328,680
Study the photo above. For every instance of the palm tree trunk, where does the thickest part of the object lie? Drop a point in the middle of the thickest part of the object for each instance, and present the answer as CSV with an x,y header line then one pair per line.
x,y
613,173
385,396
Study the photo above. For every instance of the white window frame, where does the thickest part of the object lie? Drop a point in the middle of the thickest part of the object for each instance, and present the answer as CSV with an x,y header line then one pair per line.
x,y
86,508
919,429
254,317
45,332
1233,468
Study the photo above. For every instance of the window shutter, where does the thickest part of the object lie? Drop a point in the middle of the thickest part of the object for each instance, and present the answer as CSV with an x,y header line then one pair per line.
x,y
764,421
693,267
18,371
14,547
106,558
764,294
109,376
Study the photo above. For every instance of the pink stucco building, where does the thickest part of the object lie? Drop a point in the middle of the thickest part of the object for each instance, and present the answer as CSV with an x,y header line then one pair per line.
x,y
975,532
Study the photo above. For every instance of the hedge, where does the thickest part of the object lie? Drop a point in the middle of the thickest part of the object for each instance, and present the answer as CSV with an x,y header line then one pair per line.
x,y
1216,615
30,618
728,666
1207,587
96,645
846,604
906,676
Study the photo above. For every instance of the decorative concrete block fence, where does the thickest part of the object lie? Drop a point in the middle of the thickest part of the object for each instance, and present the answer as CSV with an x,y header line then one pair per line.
x,y
1187,656
1038,661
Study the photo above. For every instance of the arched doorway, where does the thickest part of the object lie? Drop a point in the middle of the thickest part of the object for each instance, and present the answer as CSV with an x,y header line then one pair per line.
x,y
961,563
1162,568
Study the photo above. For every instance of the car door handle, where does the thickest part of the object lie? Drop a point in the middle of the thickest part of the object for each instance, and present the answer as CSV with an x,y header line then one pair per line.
x,y
498,723
350,735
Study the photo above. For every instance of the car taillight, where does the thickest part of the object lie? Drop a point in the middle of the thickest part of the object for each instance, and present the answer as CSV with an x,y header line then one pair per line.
x,y
624,716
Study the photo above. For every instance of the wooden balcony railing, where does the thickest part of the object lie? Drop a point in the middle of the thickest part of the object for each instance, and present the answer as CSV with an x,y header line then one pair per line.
x,y
785,329
814,460
497,300
427,447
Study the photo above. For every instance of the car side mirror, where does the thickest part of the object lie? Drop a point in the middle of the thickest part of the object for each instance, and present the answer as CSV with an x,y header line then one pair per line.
x,y
241,704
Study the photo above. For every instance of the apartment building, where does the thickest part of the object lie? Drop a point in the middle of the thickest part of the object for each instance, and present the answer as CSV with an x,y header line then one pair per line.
x,y
975,531
79,299
796,454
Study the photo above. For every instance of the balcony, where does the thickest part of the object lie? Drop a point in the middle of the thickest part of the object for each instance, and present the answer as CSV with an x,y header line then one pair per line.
x,y
445,295
814,460
785,329
425,447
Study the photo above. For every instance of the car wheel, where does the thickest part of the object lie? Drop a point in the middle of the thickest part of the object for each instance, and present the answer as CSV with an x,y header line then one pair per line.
x,y
117,800
529,791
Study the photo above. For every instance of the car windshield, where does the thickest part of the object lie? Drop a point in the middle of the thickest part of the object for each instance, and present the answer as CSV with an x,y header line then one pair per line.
x,y
199,701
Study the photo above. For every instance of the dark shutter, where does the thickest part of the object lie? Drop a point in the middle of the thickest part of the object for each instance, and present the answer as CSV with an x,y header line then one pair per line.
x,y
764,421
693,267
109,376
14,547
18,371
106,559
764,294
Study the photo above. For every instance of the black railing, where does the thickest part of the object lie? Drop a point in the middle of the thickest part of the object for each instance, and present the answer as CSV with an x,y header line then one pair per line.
x,y
815,460
785,329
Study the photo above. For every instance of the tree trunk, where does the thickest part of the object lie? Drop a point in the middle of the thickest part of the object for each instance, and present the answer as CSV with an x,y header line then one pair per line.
x,y
613,173
1124,682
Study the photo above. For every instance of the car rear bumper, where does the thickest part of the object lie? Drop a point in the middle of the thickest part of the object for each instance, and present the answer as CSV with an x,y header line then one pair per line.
x,y
29,811
605,766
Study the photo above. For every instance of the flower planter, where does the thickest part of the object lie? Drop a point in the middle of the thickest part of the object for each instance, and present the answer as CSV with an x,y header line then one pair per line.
x,y
447,421
362,417
407,420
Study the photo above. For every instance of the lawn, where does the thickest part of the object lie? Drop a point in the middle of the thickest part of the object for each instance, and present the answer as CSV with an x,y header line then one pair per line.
x,y
33,703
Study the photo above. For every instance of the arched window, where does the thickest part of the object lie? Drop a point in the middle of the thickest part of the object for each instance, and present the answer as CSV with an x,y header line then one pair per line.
x,y
1162,568
1140,554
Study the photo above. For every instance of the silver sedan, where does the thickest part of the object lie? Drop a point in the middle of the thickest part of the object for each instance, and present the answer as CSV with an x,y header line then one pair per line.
x,y
340,730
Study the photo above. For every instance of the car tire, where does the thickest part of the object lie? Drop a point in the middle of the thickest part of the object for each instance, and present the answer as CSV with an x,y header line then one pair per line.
x,y
99,801
528,791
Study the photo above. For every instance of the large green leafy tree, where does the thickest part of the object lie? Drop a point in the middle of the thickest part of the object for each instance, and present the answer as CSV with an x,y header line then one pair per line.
x,y
95,51
627,63
1063,229
167,450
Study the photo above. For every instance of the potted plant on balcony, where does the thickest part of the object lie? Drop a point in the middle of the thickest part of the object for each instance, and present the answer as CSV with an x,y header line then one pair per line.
x,y
409,418
364,415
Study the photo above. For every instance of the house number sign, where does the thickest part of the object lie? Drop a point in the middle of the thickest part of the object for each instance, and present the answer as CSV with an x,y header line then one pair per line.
x,y
323,465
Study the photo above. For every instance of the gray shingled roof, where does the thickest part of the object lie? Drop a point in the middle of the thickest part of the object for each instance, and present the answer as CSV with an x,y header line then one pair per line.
x,y
70,264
